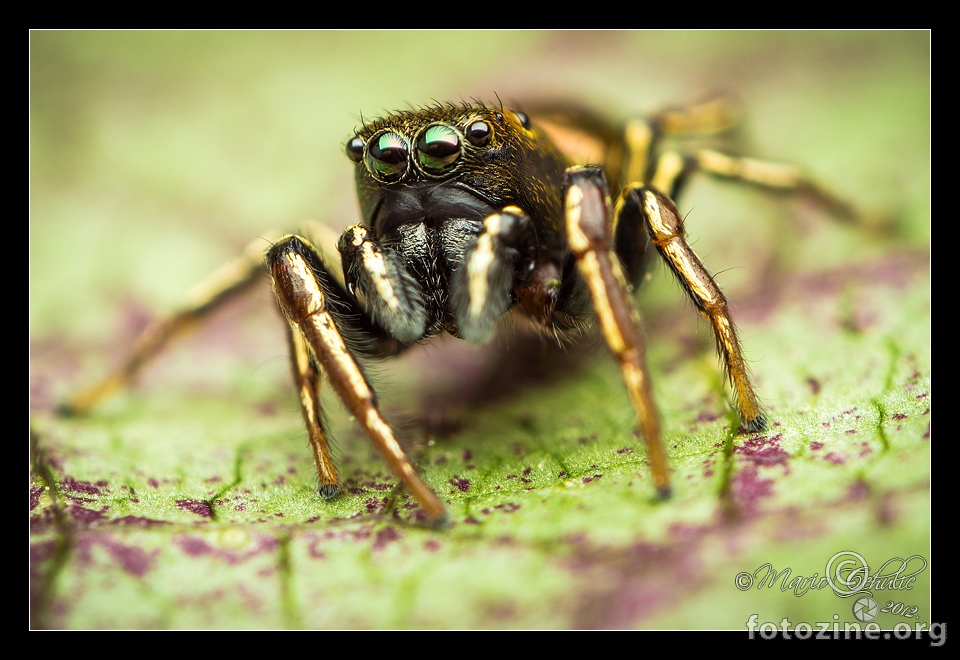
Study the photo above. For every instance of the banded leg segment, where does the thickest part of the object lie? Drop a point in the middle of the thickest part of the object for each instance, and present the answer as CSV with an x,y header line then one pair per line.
x,y
503,257
718,118
308,379
223,285
711,117
672,171
590,236
776,177
665,226
393,298
301,288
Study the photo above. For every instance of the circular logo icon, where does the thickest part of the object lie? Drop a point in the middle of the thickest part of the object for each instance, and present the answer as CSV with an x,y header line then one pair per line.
x,y
865,609
847,572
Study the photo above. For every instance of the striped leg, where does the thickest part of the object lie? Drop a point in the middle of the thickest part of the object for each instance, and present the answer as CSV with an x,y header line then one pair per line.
x,y
774,177
308,378
589,233
717,118
502,258
223,285
303,293
710,118
673,170
664,224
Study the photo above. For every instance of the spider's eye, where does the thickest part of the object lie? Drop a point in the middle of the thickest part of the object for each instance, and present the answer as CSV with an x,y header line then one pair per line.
x,y
438,148
479,133
355,149
386,156
523,119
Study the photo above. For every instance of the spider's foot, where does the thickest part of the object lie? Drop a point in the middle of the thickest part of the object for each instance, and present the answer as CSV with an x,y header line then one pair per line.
x,y
329,491
664,492
755,425
440,523
83,402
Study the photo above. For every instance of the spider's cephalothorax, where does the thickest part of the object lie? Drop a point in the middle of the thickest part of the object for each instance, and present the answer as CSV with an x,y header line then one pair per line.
x,y
469,211
463,218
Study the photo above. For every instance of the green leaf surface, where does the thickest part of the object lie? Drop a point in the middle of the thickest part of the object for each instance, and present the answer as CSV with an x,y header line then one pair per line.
x,y
190,501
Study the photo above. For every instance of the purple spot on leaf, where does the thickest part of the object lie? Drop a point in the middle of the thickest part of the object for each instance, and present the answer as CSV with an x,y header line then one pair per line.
x,y
705,417
193,545
35,493
198,507
373,504
419,516
763,451
859,490
135,561
138,521
40,552
385,537
86,516
746,489
75,486
463,485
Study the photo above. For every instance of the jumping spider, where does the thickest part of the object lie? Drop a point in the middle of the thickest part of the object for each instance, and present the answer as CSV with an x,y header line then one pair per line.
x,y
470,211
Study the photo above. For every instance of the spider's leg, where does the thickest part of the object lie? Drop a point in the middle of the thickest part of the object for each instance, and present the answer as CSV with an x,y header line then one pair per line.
x,y
590,236
711,117
648,207
503,256
781,177
672,171
308,378
307,298
221,286
719,118
392,297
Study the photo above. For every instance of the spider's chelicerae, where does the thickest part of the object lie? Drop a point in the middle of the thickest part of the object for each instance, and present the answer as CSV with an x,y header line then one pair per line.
x,y
470,211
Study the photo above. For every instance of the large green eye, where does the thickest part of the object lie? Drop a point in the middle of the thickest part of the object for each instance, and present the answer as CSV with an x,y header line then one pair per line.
x,y
438,148
387,155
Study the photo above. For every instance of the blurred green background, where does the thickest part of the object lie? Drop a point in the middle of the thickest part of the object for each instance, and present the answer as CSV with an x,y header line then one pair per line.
x,y
189,503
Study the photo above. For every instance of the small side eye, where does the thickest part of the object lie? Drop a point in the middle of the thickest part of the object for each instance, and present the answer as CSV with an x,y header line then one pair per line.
x,y
355,149
387,156
523,119
438,148
479,133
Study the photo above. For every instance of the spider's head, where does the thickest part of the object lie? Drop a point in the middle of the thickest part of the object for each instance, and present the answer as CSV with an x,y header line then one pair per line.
x,y
451,161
